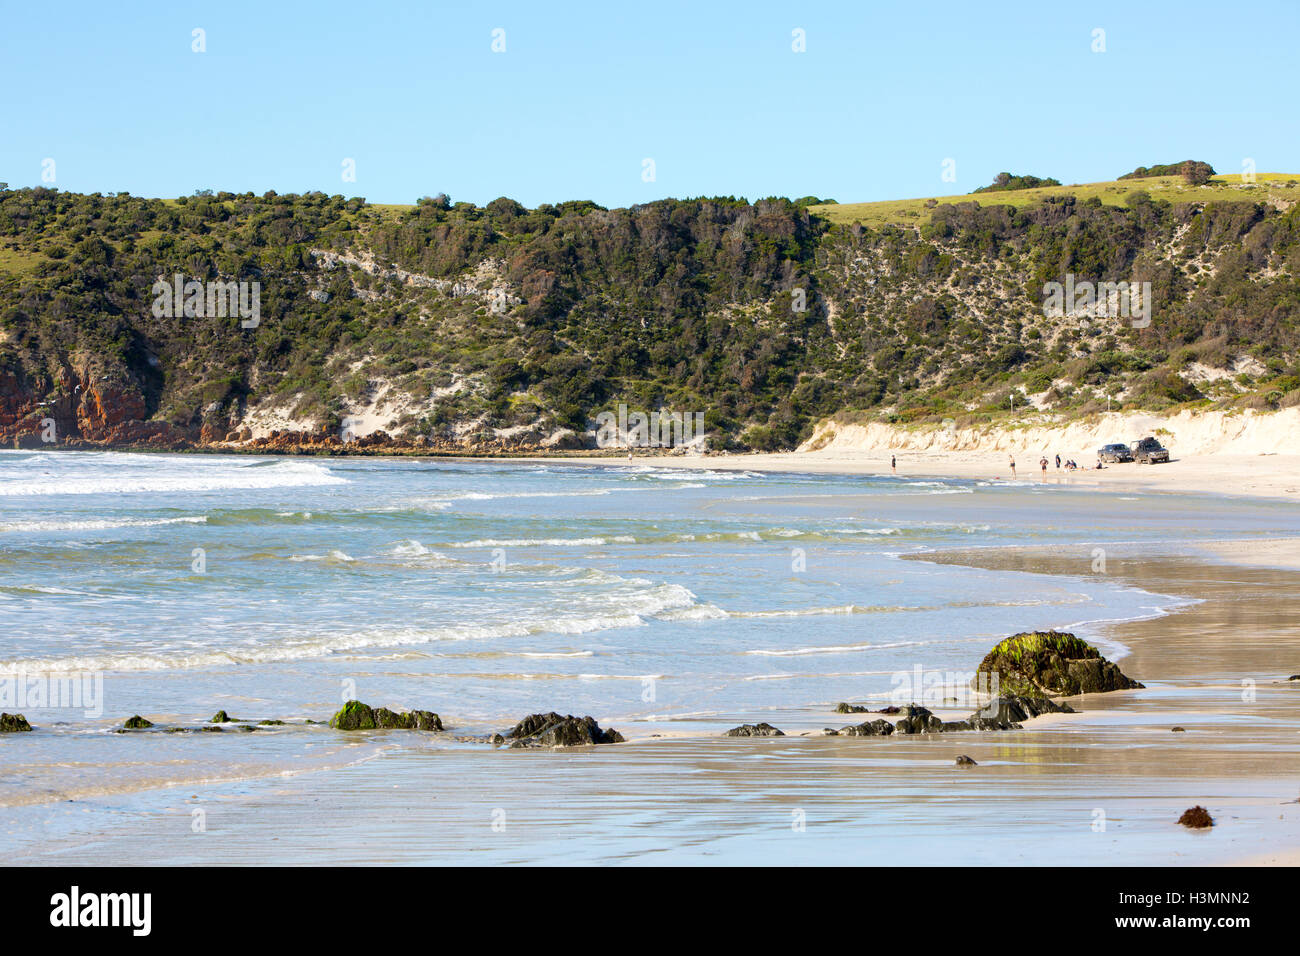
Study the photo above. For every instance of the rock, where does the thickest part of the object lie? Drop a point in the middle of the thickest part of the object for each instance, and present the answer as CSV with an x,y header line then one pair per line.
x,y
827,732
137,723
1197,818
1294,677
964,761
872,728
1179,730
1049,663
918,720
270,723
1006,713
843,708
220,717
355,715
14,724
754,730
497,740
556,730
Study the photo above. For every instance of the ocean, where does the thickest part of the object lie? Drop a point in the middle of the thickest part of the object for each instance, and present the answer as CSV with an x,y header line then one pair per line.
x,y
658,600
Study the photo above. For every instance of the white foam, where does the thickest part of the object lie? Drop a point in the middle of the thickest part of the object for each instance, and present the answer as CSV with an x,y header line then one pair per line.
x,y
81,477
544,542
612,607
834,649
99,524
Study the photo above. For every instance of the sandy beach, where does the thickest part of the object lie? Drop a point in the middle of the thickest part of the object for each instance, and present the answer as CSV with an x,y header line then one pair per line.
x,y
1259,475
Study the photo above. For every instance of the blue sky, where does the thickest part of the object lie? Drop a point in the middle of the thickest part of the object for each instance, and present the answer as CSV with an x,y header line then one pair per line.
x,y
585,92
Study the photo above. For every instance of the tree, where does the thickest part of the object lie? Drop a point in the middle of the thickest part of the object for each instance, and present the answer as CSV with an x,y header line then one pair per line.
x,y
1196,173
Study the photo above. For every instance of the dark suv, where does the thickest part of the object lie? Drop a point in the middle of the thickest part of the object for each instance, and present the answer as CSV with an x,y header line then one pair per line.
x,y
1114,453
1148,451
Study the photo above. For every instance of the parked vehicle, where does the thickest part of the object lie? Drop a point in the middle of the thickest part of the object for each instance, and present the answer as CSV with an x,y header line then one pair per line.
x,y
1116,452
1148,451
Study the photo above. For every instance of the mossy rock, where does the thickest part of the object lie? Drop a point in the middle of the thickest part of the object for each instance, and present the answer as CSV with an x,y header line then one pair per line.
x,y
1049,663
221,717
14,724
137,723
270,723
355,715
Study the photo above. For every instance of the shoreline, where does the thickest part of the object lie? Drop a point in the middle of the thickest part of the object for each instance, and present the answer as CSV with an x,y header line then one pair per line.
x,y
1116,753
1265,476
1261,476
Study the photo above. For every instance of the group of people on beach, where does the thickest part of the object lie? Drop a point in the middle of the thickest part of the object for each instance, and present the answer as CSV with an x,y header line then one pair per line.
x,y
1069,465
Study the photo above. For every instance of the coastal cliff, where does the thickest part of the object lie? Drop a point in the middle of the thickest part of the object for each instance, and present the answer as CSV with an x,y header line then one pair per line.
x,y
322,323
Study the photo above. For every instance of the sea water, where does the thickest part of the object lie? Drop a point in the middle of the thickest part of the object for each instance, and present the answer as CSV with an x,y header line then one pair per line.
x,y
648,597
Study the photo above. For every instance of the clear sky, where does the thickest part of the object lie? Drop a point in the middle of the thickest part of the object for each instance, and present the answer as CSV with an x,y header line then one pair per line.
x,y
583,93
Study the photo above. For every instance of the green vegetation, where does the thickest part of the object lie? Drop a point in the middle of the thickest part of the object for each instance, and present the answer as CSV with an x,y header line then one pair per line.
x,y
1005,182
1193,171
767,316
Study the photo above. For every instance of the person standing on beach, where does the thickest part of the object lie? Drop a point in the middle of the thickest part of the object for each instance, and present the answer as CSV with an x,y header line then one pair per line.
x,y
1013,465
893,464
1058,462
1042,463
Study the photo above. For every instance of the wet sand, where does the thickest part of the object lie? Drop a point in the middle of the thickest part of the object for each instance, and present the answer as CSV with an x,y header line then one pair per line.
x,y
1104,787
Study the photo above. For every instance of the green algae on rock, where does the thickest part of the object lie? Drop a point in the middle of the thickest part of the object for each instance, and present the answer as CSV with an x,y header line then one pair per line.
x,y
137,723
355,715
1049,663
13,724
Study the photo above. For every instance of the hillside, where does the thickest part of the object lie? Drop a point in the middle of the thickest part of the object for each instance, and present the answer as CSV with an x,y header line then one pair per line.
x,y
452,326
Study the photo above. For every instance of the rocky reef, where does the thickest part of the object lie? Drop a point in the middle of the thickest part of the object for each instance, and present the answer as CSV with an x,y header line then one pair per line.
x,y
355,715
560,730
1002,713
1049,664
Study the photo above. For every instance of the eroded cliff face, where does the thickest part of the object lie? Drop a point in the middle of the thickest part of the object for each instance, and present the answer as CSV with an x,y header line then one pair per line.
x,y
79,406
